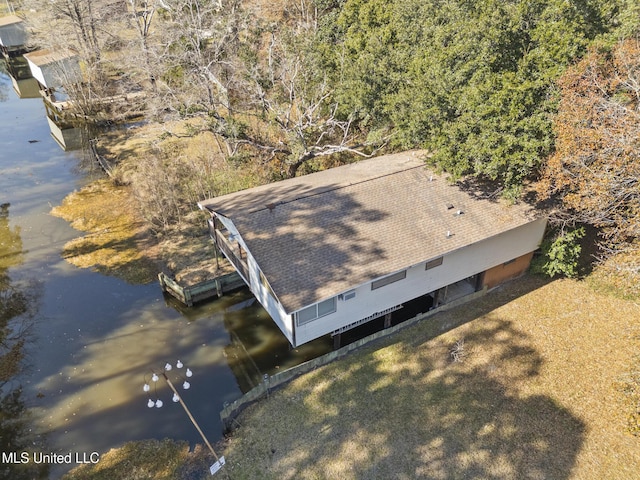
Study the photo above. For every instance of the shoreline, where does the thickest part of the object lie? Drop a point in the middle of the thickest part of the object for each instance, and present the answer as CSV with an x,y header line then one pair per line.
x,y
117,240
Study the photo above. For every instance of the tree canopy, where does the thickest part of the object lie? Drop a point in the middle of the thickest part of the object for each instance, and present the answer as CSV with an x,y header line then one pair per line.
x,y
595,170
472,81
296,86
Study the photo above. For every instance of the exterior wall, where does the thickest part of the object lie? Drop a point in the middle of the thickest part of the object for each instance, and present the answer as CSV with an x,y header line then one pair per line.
x,y
270,304
457,265
54,75
262,294
13,35
501,273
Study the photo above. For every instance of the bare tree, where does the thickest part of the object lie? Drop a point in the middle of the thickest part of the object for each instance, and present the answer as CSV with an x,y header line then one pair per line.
x,y
287,87
143,14
199,39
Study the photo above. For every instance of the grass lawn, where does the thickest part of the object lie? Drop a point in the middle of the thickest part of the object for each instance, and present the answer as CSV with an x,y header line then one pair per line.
x,y
536,395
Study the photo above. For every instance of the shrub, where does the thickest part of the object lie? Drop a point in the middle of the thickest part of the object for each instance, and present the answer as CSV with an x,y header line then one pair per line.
x,y
561,255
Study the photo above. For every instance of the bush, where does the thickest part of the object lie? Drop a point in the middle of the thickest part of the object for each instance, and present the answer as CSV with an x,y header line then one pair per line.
x,y
561,255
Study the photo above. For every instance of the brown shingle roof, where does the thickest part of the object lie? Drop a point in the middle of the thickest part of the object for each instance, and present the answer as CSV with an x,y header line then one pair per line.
x,y
321,234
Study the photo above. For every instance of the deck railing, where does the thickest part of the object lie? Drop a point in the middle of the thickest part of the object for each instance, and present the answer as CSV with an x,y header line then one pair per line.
x,y
232,252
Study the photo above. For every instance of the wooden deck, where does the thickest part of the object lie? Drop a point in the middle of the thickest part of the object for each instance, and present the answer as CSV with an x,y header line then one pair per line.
x,y
200,291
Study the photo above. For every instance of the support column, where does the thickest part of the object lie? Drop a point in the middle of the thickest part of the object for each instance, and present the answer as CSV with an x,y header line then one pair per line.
x,y
436,298
387,320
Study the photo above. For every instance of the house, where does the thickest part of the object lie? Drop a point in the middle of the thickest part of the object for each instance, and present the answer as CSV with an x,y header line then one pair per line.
x,y
334,249
13,35
23,82
54,69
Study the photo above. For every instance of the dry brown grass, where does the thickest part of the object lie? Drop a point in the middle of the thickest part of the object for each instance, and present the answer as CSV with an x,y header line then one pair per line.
x,y
119,242
147,460
116,242
535,397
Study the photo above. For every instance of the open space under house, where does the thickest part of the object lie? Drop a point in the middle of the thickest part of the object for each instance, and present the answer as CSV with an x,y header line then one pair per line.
x,y
326,252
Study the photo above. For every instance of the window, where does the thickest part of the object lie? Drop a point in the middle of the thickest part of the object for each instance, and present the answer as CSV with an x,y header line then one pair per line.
x,y
327,307
388,279
318,310
436,262
347,295
308,314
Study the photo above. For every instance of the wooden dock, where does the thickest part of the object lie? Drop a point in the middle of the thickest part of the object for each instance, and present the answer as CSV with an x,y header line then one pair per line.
x,y
200,291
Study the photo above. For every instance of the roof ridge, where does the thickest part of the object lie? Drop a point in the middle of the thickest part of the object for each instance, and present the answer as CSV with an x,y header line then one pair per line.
x,y
271,206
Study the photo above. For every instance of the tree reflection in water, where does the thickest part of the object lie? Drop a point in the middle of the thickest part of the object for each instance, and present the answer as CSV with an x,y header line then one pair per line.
x,y
18,305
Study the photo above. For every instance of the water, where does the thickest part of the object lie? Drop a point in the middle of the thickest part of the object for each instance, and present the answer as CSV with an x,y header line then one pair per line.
x,y
95,339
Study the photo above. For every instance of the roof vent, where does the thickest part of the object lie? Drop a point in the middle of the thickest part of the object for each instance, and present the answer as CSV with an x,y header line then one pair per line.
x,y
449,206
459,212
449,234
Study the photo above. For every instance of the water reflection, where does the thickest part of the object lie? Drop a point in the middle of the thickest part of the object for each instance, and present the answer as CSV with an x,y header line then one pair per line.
x,y
23,82
66,131
255,344
3,86
93,337
18,306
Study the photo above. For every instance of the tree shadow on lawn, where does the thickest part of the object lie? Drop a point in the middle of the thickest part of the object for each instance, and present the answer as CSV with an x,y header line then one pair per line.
x,y
408,412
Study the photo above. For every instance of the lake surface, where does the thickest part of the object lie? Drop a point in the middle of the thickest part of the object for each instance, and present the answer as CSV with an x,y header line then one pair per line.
x,y
95,339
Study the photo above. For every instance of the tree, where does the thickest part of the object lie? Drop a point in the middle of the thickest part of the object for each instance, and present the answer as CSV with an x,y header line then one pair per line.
x,y
263,86
595,170
562,255
292,94
75,22
196,43
472,81
143,14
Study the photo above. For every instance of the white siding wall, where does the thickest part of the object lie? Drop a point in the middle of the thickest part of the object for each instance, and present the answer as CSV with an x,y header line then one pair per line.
x,y
55,75
270,304
456,266
13,35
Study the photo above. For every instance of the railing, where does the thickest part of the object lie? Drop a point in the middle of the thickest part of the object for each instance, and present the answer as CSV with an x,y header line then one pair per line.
x,y
232,253
201,291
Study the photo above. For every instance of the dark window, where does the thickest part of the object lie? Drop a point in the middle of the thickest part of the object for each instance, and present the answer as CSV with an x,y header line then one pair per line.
x,y
436,262
388,279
